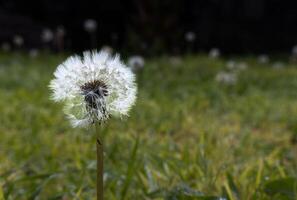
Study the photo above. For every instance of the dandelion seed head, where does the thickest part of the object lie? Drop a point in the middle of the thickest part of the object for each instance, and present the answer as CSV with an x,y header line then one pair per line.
x,y
90,25
18,40
190,36
47,35
33,53
60,31
214,53
227,78
263,59
136,62
294,50
94,87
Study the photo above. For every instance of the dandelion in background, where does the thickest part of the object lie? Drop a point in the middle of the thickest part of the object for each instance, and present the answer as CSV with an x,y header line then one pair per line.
x,y
90,26
227,78
94,88
175,60
136,62
33,53
5,47
294,50
242,66
18,41
293,56
278,65
231,65
263,59
214,53
107,49
190,37
236,67
47,35
59,37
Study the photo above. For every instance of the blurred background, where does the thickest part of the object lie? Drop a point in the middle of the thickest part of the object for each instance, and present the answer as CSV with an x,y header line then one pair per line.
x,y
150,27
216,114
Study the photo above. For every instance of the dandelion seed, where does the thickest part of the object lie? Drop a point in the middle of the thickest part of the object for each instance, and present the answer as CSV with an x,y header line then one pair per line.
x,y
94,88
136,62
214,53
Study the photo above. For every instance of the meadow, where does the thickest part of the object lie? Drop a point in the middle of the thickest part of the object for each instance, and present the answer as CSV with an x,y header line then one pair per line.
x,y
188,137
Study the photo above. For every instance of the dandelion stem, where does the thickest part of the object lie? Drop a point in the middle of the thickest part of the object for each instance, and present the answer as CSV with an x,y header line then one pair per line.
x,y
99,145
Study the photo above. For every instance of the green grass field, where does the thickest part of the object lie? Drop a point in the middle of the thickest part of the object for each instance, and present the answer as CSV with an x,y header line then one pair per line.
x,y
188,137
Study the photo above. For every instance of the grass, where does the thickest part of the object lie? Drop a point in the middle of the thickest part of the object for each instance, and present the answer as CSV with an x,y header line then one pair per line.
x,y
188,137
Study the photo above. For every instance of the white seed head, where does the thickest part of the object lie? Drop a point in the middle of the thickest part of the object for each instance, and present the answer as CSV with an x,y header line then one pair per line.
x,y
90,25
47,35
18,40
278,65
227,78
214,53
60,31
94,87
231,64
33,53
136,62
190,36
263,59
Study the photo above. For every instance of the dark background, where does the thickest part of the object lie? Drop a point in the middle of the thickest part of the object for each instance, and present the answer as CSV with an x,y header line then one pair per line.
x,y
157,26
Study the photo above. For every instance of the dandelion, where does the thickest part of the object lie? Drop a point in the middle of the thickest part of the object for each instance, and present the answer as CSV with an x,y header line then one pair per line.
x,y
90,25
107,49
94,88
136,62
59,37
175,60
18,40
60,31
33,53
227,78
190,37
293,56
278,65
242,66
231,65
214,53
47,35
263,59
294,50
236,67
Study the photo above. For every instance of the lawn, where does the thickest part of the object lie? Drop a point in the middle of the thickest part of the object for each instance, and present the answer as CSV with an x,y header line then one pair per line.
x,y
188,137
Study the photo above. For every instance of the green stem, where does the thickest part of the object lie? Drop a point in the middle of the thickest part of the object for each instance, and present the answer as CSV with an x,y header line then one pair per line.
x,y
99,145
